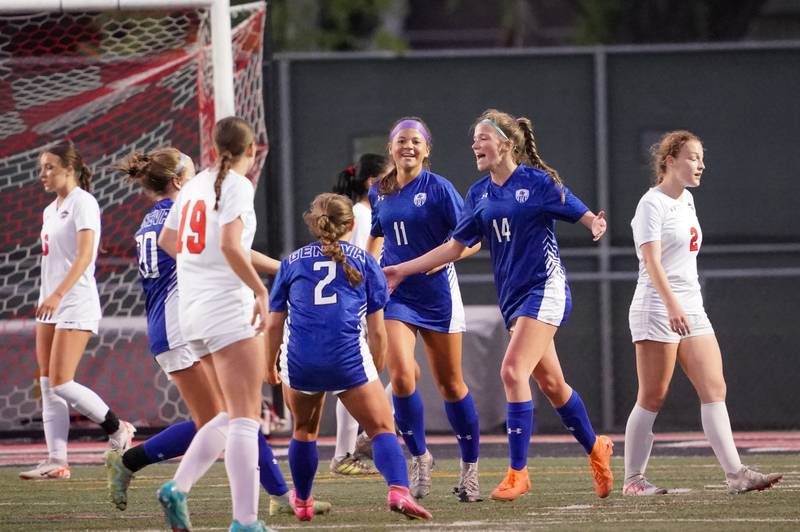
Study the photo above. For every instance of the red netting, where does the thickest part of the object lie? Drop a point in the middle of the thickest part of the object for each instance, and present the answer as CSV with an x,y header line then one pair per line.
x,y
112,83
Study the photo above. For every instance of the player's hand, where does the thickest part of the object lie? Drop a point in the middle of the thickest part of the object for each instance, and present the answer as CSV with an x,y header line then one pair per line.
x,y
599,226
393,277
48,308
273,377
678,321
259,320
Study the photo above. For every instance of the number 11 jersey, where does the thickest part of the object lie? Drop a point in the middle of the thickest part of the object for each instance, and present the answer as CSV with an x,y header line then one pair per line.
x,y
414,220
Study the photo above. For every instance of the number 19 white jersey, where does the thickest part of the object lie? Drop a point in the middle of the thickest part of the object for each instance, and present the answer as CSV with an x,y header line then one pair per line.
x,y
213,300
78,211
673,222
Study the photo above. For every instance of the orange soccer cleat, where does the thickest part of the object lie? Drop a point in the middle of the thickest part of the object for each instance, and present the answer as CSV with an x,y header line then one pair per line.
x,y
515,484
600,462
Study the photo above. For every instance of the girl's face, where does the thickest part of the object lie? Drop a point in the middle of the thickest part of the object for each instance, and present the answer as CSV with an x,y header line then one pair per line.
x,y
489,147
52,174
688,166
409,149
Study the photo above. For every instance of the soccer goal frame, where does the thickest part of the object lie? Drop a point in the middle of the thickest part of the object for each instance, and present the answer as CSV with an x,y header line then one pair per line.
x,y
220,19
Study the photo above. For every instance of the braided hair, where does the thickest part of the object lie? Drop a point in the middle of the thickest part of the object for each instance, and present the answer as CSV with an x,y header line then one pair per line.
x,y
232,137
328,217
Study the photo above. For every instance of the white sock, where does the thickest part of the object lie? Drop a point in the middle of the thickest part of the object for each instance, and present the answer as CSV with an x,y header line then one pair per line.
x,y
204,450
55,419
388,392
83,400
717,426
638,441
241,463
346,431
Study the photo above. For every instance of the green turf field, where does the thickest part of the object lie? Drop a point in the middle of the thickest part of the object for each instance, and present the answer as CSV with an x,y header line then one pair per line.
x,y
562,498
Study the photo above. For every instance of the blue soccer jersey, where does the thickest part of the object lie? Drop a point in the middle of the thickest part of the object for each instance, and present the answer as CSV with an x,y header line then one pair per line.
x,y
159,281
518,221
323,348
413,221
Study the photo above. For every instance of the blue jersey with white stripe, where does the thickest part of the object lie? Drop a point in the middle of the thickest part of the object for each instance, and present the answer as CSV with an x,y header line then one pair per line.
x,y
159,281
518,219
414,220
323,349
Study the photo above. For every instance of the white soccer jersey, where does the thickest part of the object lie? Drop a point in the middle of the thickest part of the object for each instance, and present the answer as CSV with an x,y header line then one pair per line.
x,y
79,211
363,216
673,222
213,300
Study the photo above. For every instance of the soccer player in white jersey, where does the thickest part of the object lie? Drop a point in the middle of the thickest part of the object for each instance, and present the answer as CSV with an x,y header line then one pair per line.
x,y
223,306
668,321
413,211
68,312
161,173
354,182
515,208
322,296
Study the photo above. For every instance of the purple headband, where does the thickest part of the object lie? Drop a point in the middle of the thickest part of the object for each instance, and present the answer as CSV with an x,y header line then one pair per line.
x,y
410,124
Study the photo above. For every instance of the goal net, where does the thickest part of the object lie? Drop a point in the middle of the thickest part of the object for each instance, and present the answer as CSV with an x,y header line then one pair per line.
x,y
112,83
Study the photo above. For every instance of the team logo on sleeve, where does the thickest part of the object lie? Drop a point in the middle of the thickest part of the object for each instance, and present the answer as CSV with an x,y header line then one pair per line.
x,y
63,215
419,199
522,195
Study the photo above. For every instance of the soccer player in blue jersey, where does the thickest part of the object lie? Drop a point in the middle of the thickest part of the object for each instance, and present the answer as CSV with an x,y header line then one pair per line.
x,y
414,211
515,208
322,291
161,174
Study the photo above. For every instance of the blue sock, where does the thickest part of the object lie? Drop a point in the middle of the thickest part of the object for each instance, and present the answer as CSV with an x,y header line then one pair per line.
x,y
269,473
574,417
303,461
409,414
170,442
388,458
464,419
519,425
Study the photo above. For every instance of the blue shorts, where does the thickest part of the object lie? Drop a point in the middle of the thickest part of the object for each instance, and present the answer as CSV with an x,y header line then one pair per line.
x,y
441,311
314,372
548,304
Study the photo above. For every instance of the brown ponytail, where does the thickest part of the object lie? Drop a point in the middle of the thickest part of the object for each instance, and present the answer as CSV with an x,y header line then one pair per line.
x,y
534,158
155,170
70,158
232,137
329,217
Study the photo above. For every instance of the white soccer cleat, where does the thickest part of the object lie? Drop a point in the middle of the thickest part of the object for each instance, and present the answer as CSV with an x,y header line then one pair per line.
x,y
641,487
121,440
747,479
49,469
421,467
468,489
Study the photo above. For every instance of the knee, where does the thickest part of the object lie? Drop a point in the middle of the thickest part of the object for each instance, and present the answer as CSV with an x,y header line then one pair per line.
x,y
452,391
403,383
553,387
305,431
651,400
713,391
513,377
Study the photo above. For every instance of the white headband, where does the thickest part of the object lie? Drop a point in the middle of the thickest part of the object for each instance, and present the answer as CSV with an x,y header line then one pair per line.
x,y
491,123
182,160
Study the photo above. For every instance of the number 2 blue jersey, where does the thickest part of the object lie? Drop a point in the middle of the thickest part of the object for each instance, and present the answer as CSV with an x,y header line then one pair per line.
x,y
518,221
414,220
323,348
159,281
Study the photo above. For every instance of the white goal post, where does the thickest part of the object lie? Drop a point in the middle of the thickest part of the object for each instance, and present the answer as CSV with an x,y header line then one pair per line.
x,y
220,10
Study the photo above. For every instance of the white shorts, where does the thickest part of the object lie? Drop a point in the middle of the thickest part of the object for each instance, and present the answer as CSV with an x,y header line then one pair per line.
x,y
212,344
176,359
650,325
91,326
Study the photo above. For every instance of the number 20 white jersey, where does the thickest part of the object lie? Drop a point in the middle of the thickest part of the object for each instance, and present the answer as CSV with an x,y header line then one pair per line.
x,y
673,222
213,300
78,211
